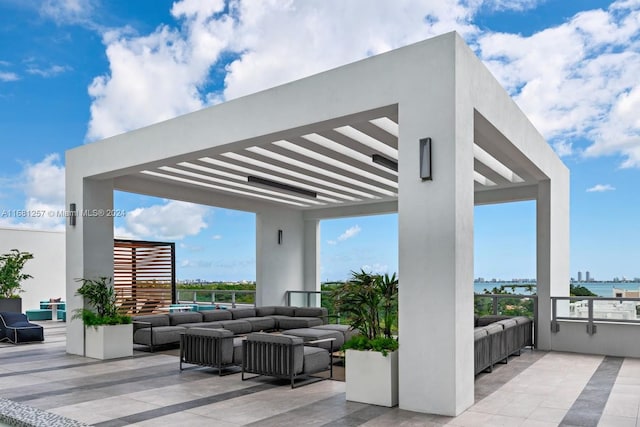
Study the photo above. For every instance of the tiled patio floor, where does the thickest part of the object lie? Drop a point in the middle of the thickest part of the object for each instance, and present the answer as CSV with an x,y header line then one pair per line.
x,y
535,389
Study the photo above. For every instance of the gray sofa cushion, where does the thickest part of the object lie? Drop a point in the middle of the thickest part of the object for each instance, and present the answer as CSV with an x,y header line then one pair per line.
x,y
180,317
491,318
237,351
507,323
494,328
241,313
265,311
298,322
209,325
522,320
347,331
239,326
311,312
315,360
261,323
311,334
479,333
215,315
161,335
283,310
154,319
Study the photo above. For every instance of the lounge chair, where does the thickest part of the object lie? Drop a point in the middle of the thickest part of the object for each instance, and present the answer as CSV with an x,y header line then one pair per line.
x,y
16,328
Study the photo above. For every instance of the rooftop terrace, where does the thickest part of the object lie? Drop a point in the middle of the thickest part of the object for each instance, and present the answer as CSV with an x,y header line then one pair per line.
x,y
536,389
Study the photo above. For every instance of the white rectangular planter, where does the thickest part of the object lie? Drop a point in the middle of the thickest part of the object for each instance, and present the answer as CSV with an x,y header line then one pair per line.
x,y
371,377
109,341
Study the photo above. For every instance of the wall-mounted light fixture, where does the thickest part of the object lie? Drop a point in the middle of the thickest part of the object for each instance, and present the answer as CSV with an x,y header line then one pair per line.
x,y
72,214
425,159
281,186
385,161
279,237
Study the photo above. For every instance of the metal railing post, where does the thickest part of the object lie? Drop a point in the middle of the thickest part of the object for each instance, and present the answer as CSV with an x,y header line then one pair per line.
x,y
233,299
591,327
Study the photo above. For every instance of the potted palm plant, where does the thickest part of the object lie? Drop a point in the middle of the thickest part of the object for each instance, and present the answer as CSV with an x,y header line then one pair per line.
x,y
370,304
108,334
11,278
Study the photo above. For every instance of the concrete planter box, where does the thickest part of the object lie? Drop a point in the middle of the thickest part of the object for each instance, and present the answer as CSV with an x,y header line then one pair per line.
x,y
109,341
371,377
11,305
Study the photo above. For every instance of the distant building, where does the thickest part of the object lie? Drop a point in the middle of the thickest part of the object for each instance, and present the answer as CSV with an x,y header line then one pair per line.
x,y
579,276
624,293
588,276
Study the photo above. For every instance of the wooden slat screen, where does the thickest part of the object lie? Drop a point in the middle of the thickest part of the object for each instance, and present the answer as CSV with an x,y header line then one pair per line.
x,y
144,275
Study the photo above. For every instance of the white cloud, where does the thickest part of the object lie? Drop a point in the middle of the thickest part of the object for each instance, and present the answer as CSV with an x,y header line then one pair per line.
x,y
8,76
349,233
216,237
51,71
67,11
173,220
375,268
577,80
164,74
600,188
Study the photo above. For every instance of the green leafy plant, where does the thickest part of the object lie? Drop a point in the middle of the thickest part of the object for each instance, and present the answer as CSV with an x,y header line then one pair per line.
x,y
100,295
11,275
370,304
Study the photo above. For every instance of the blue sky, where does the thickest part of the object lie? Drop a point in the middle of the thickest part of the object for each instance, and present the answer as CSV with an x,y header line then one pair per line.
x,y
76,71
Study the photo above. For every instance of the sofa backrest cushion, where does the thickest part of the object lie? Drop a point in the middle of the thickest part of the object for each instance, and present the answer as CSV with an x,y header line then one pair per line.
x,y
241,313
209,332
490,318
311,312
180,317
284,310
479,333
10,318
215,315
154,319
268,310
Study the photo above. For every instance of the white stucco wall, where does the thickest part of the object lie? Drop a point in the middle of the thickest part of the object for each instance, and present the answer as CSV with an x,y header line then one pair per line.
x,y
47,266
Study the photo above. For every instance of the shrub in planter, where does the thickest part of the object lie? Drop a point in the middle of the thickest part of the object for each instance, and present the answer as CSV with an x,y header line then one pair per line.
x,y
11,275
102,298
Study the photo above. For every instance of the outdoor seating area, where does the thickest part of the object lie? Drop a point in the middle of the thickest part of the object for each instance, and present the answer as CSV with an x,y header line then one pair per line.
x,y
498,337
538,388
166,328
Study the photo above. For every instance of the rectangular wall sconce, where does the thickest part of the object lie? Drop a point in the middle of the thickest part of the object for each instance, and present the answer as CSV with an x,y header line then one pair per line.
x,y
425,159
279,237
72,214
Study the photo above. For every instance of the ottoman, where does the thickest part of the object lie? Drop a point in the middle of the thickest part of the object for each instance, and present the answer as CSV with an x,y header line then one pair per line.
x,y
312,334
347,331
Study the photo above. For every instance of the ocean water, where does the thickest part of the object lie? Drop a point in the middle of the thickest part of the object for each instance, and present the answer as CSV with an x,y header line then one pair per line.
x,y
602,289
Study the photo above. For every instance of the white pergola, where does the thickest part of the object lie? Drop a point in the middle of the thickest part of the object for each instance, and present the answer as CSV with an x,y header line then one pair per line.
x,y
305,151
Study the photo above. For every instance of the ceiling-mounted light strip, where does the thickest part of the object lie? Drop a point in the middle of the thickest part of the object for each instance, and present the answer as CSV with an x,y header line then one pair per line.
x,y
235,184
387,125
386,162
217,187
243,178
280,186
333,175
277,169
369,141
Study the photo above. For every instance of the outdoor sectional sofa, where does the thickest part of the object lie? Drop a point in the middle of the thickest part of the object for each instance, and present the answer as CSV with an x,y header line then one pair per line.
x,y
498,337
165,329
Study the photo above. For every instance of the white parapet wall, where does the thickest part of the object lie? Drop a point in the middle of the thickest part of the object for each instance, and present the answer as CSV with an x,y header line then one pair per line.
x,y
611,338
47,266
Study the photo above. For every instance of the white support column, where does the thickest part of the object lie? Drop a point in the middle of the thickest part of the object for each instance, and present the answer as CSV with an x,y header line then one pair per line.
x,y
279,266
89,249
312,255
436,253
553,276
